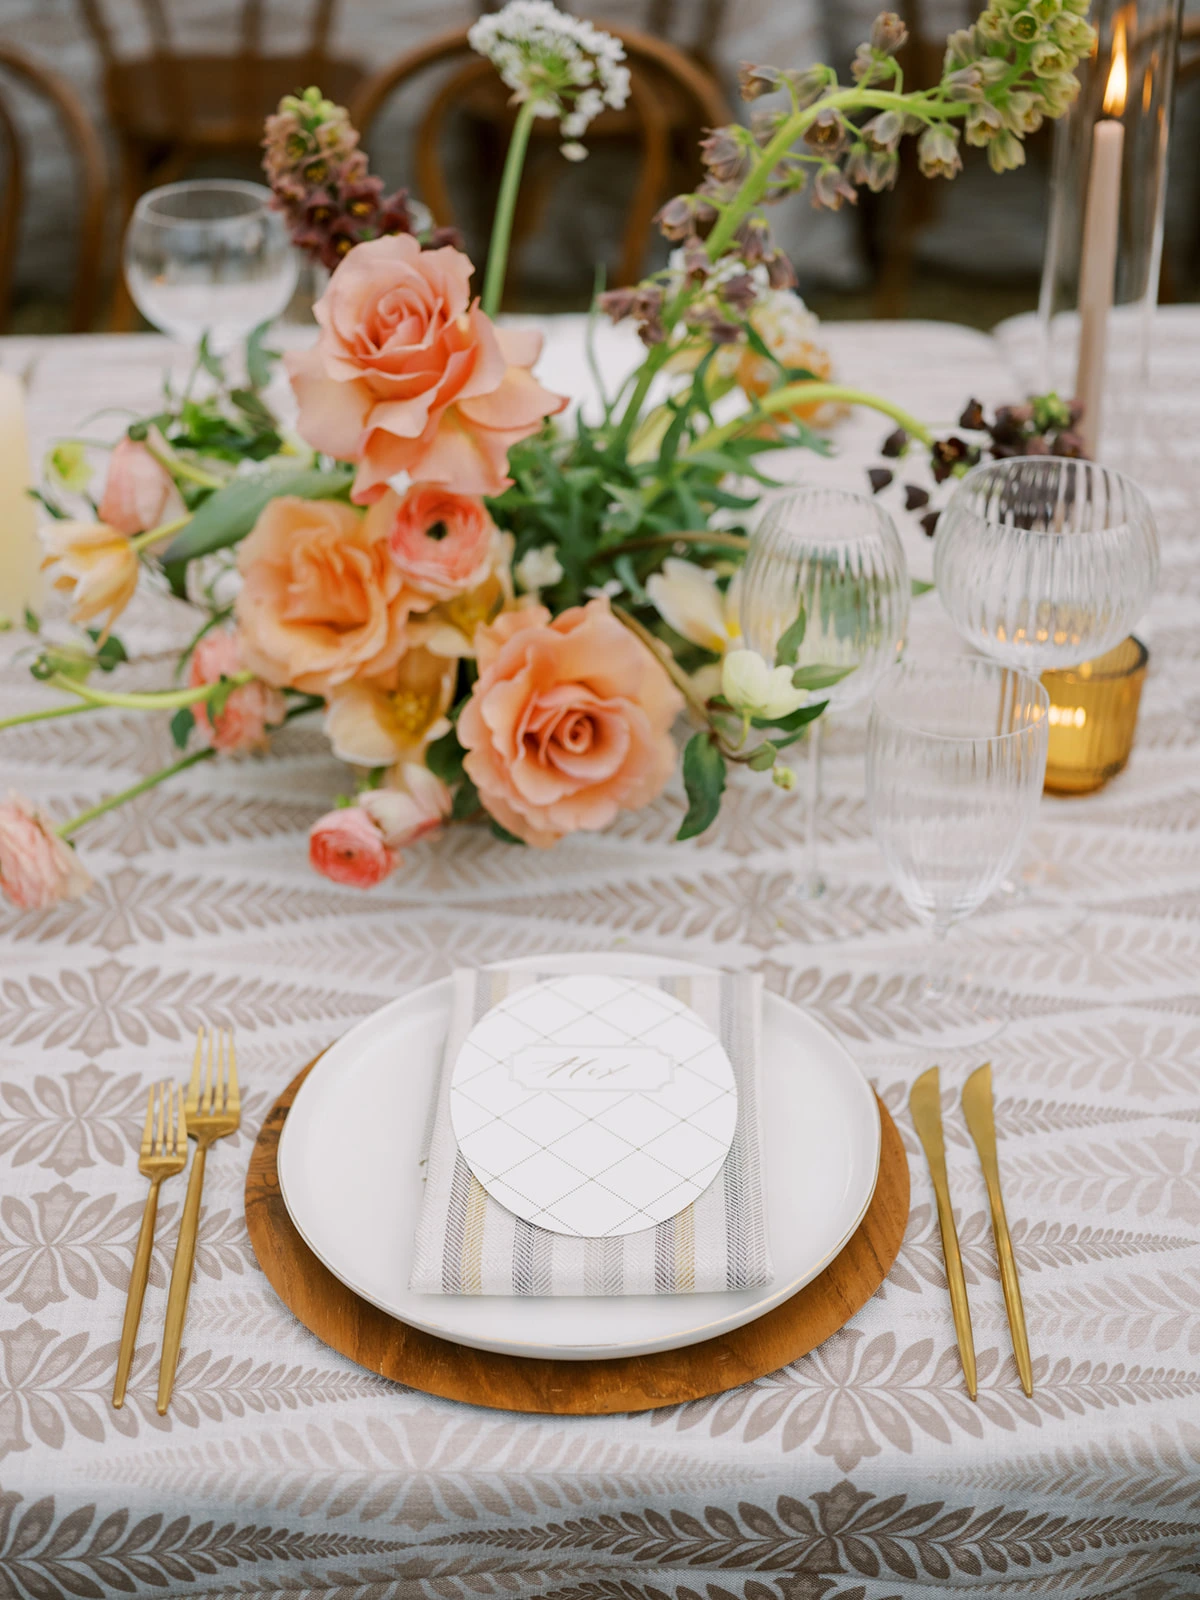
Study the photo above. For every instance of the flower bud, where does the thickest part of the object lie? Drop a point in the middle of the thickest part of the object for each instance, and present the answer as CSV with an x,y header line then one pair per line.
x,y
696,264
962,48
883,131
1048,61
1024,27
806,88
783,778
675,218
937,153
755,81
984,123
740,292
993,69
831,189
764,125
1005,152
1058,93
780,272
826,133
965,84
617,303
753,239
724,156
991,26
866,68
888,34
1023,112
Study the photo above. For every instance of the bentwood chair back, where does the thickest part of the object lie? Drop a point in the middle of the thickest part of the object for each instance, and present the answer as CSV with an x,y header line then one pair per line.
x,y
169,105
87,151
672,100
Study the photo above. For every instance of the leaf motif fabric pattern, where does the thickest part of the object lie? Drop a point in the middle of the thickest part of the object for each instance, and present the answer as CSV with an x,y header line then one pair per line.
x,y
861,1472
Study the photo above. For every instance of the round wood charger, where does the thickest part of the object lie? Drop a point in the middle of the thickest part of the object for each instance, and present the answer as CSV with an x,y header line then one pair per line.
x,y
379,1342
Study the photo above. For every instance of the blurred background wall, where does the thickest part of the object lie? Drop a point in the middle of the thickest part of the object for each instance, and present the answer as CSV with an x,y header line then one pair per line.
x,y
968,251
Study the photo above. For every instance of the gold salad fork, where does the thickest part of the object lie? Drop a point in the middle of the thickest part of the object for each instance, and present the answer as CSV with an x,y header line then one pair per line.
x,y
163,1154
214,1109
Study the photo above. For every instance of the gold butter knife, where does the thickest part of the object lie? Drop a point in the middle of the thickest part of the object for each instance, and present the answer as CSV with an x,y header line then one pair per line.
x,y
977,1108
925,1104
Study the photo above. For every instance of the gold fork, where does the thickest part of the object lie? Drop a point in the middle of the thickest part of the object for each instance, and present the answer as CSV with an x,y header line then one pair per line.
x,y
163,1154
213,1110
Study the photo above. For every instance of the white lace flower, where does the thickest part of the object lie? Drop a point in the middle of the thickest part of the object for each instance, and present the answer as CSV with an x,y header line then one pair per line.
x,y
538,569
560,64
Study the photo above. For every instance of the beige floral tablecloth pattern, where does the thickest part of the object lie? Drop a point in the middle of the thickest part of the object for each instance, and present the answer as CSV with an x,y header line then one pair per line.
x,y
862,1472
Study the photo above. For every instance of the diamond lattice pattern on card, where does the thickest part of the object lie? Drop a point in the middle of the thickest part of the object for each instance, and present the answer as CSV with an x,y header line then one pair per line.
x,y
592,1105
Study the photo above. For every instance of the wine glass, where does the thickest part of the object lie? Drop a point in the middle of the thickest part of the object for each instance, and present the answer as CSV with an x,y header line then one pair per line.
x,y
956,758
1045,562
836,556
209,256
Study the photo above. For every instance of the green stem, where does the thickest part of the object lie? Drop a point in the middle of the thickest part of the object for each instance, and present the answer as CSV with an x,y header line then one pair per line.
x,y
722,541
155,700
142,541
809,394
44,716
119,799
506,204
179,468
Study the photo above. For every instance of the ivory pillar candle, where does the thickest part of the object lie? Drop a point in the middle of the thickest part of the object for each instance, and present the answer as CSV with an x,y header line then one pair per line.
x,y
1098,262
20,552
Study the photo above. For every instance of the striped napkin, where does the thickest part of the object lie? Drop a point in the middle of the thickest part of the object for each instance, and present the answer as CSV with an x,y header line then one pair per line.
x,y
468,1243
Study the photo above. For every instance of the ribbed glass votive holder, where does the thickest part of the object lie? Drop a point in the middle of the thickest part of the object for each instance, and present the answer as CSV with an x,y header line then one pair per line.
x,y
1093,718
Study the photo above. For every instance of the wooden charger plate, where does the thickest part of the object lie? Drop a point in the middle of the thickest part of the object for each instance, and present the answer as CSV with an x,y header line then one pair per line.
x,y
357,1329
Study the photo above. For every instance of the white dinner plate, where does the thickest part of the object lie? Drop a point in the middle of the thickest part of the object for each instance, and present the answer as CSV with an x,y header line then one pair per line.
x,y
350,1171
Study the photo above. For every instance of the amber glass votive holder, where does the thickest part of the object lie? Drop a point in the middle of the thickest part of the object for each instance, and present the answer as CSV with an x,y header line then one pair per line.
x,y
1093,718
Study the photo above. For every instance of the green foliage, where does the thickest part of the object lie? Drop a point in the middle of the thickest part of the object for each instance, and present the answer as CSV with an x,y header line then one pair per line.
x,y
229,513
444,758
111,653
259,359
502,833
182,724
790,641
704,780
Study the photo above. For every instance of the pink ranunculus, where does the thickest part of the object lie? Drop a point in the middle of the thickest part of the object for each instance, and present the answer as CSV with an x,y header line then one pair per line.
x,y
348,846
37,868
409,375
568,723
413,804
139,493
251,708
441,541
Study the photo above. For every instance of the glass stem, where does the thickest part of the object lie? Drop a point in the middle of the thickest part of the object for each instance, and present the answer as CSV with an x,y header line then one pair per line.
x,y
938,984
814,883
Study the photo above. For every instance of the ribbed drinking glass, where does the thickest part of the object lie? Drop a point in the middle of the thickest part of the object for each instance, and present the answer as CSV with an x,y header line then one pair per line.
x,y
837,557
956,758
1045,562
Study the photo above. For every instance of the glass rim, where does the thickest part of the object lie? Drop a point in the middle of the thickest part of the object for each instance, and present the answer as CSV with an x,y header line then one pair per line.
x,y
1010,464
146,208
1074,677
1041,695
831,494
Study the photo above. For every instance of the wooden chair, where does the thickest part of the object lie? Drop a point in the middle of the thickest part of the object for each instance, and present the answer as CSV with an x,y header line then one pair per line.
x,y
671,101
168,108
88,153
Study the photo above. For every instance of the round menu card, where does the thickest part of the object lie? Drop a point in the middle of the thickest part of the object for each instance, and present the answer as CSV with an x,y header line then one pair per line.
x,y
593,1105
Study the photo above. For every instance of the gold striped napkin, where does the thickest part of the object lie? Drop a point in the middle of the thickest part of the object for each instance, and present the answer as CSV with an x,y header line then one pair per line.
x,y
468,1243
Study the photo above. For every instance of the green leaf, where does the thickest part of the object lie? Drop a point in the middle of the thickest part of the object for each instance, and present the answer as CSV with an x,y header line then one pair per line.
x,y
182,724
217,701
818,677
444,758
259,359
111,653
230,513
31,622
704,780
794,719
920,587
466,800
790,641
249,404
211,363
503,833
762,759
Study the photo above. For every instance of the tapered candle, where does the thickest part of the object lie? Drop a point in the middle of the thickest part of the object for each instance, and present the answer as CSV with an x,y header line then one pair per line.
x,y
20,553
1098,262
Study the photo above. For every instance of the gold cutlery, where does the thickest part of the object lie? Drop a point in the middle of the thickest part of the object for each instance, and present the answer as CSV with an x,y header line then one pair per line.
x,y
163,1154
977,1109
214,1110
925,1104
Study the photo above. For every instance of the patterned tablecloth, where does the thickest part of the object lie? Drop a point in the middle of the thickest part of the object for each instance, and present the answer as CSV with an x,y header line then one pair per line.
x,y
860,1473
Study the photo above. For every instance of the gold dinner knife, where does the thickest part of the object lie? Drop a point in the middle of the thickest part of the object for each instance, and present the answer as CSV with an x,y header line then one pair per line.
x,y
925,1104
977,1108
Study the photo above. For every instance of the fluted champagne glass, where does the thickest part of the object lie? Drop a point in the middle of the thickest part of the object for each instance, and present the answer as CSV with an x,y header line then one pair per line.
x,y
956,758
835,558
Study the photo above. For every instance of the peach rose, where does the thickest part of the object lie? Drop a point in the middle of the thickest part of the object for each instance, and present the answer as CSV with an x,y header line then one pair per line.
x,y
568,723
408,375
37,868
96,564
251,708
322,601
348,846
139,493
441,542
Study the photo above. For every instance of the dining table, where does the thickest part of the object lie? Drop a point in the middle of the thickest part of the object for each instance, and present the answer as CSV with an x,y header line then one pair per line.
x,y
861,1471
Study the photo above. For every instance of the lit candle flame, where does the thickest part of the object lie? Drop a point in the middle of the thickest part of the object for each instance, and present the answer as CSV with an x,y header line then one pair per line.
x,y
1117,88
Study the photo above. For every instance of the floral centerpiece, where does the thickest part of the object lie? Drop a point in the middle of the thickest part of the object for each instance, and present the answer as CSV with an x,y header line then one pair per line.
x,y
501,608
